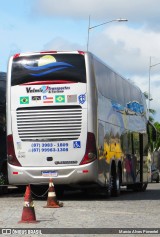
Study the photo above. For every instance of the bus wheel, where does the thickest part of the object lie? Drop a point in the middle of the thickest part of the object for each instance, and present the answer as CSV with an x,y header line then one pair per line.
x,y
138,187
107,191
144,187
115,184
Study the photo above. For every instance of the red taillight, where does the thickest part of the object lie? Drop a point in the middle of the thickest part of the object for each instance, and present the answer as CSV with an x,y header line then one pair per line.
x,y
81,52
91,151
15,172
12,159
16,55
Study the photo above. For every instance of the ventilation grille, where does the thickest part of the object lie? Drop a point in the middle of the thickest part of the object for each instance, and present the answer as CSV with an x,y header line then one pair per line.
x,y
53,123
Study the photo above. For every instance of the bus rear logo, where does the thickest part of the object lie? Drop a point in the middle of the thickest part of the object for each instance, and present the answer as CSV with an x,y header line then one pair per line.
x,y
45,89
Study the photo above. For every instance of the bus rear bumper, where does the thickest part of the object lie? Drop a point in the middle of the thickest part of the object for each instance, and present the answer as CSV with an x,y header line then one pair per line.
x,y
62,175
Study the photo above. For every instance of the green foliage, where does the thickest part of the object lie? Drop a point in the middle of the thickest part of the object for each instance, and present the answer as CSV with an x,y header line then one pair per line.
x,y
157,125
154,145
157,144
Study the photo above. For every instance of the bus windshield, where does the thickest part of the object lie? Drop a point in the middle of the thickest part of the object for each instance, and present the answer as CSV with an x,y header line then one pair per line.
x,y
48,67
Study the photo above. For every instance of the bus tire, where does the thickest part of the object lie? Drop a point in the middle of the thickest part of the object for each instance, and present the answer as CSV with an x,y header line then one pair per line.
x,y
138,187
115,183
107,191
144,187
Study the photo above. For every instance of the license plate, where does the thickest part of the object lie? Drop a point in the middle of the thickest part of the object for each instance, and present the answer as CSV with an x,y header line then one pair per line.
x,y
49,173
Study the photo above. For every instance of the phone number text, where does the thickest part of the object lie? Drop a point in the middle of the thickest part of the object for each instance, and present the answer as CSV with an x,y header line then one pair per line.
x,y
49,149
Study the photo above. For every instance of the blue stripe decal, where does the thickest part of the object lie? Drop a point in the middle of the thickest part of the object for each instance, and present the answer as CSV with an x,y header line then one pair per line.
x,y
54,64
47,72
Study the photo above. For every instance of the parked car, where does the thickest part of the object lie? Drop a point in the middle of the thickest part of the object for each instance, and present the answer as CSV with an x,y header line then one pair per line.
x,y
154,173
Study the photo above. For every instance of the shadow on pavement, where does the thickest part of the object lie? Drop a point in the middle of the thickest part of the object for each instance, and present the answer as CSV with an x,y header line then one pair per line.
x,y
151,193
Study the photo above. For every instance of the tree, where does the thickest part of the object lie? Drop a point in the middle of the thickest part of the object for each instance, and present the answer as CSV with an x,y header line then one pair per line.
x,y
156,125
157,144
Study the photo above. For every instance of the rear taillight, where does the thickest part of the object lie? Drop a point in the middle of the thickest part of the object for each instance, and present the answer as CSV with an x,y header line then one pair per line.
x,y
16,55
81,52
91,151
12,159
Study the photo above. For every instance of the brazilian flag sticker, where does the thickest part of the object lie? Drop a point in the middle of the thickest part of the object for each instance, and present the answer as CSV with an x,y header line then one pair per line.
x,y
24,100
60,98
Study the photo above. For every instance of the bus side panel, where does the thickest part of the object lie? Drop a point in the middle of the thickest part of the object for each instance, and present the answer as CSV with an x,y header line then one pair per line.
x,y
92,96
118,118
109,145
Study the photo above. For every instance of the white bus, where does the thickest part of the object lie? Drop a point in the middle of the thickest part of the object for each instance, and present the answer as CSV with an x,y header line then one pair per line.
x,y
71,117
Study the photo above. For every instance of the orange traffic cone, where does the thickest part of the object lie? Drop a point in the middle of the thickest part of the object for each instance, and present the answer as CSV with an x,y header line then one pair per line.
x,y
28,214
52,200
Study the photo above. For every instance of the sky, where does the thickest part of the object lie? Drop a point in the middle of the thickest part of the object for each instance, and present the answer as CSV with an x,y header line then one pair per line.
x,y
131,48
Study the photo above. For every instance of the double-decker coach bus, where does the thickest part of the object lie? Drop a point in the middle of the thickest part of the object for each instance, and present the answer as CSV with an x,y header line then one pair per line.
x,y
71,117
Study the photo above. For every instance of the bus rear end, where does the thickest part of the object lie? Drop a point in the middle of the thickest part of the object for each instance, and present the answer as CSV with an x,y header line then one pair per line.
x,y
47,131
